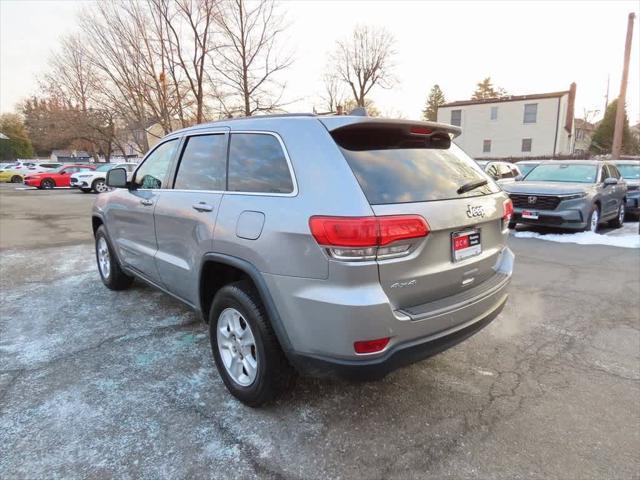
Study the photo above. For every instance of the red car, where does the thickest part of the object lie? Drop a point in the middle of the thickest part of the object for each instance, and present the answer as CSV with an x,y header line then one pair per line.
x,y
55,178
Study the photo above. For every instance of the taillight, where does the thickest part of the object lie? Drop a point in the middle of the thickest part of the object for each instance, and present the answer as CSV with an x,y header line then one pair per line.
x,y
365,238
371,346
507,213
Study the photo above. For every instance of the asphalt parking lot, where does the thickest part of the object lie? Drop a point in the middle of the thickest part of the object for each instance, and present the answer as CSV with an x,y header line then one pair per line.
x,y
100,384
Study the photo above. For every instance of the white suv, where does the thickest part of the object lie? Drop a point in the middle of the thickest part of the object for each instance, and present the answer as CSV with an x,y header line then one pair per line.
x,y
95,180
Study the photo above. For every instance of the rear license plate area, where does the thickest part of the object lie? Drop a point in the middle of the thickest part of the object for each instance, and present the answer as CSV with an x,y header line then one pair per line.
x,y
465,244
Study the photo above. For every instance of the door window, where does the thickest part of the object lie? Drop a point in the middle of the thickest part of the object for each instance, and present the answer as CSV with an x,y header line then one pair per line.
x,y
203,163
614,172
505,171
154,170
257,164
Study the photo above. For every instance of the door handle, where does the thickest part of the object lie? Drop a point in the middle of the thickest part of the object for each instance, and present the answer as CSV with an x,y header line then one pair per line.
x,y
202,207
146,202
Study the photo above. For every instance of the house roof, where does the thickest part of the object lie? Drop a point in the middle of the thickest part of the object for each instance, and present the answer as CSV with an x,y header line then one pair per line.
x,y
508,98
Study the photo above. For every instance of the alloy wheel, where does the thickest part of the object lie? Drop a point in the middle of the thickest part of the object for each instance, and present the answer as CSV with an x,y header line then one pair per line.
x,y
237,347
595,218
104,260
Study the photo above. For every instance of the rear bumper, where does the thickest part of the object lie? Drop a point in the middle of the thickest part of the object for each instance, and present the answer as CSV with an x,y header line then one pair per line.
x,y
569,218
324,319
400,356
633,203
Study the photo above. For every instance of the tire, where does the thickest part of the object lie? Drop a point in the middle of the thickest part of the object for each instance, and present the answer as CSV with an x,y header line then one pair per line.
x,y
85,190
273,374
110,271
47,184
512,225
618,222
99,186
595,211
16,179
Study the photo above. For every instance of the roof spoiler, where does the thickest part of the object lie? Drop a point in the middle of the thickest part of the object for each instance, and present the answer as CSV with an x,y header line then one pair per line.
x,y
415,126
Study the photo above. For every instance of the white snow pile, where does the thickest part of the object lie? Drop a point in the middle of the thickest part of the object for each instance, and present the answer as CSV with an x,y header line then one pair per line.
x,y
625,237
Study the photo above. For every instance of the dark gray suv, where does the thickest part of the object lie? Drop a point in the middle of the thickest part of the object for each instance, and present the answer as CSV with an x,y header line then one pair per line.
x,y
578,195
325,245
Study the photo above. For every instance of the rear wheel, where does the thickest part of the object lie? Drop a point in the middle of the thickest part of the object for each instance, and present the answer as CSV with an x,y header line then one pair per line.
x,y
245,348
47,184
593,222
619,220
112,275
99,186
16,179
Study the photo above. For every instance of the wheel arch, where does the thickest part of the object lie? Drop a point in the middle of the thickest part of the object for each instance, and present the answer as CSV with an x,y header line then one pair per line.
x,y
218,270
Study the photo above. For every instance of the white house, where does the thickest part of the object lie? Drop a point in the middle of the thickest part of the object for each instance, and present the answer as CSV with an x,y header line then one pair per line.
x,y
514,126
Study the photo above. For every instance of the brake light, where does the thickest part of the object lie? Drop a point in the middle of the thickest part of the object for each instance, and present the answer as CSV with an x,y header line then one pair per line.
x,y
371,346
507,213
419,130
507,209
365,238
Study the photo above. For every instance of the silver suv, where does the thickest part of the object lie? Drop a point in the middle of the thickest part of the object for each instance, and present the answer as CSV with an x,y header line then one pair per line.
x,y
341,245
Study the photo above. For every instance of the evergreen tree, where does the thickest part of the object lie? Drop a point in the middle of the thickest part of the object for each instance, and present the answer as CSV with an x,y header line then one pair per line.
x,y
434,100
485,89
602,139
18,144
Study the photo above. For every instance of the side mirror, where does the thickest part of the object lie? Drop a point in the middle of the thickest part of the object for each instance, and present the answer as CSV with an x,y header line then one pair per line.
x,y
117,178
519,178
610,181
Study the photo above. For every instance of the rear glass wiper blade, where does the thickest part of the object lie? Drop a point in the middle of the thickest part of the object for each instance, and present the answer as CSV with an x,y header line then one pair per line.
x,y
467,187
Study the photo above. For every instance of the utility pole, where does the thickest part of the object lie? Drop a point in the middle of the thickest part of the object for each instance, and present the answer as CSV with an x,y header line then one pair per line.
x,y
617,132
606,97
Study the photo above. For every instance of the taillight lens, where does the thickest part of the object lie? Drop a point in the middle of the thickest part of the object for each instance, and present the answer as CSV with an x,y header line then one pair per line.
x,y
364,238
507,213
371,346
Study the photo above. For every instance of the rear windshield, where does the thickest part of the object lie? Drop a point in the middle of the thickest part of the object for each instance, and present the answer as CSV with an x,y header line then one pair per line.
x,y
564,172
402,175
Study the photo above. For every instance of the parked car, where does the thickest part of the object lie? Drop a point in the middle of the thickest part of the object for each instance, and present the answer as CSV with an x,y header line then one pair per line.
x,y
55,178
525,166
95,180
16,172
336,245
630,171
43,167
501,172
578,195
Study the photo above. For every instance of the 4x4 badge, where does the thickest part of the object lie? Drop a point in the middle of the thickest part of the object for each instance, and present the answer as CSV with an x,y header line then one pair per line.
x,y
477,211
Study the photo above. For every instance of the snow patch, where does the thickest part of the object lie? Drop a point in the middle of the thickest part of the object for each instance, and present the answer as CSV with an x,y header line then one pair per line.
x,y
626,237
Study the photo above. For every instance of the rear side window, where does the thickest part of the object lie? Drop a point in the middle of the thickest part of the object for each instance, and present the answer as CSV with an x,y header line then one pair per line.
x,y
392,167
257,163
203,164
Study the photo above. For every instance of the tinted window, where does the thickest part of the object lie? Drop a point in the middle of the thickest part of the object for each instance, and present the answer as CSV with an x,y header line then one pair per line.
x,y
257,164
400,175
203,163
564,172
613,172
530,113
153,171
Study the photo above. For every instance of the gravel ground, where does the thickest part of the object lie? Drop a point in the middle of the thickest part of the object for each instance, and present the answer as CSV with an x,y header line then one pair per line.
x,y
100,384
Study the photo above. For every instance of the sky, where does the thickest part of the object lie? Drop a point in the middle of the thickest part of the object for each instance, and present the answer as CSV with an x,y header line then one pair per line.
x,y
525,46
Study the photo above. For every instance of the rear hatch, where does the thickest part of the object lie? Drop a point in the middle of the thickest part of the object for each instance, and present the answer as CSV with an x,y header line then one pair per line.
x,y
413,168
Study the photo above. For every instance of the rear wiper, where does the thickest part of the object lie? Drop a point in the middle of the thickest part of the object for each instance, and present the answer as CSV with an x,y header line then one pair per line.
x,y
467,187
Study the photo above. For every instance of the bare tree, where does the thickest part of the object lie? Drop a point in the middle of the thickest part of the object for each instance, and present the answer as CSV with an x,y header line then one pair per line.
x,y
365,60
334,94
249,57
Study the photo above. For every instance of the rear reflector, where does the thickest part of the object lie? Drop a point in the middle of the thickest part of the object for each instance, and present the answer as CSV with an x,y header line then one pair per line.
x,y
371,346
367,231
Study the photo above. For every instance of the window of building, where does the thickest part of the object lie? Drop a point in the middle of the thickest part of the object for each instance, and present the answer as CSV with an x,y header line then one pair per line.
x,y
486,146
456,117
494,113
530,113
203,164
258,164
526,144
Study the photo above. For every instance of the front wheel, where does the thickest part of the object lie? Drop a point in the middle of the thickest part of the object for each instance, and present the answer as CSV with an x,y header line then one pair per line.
x,y
619,220
245,348
16,179
47,184
112,275
593,222
99,186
